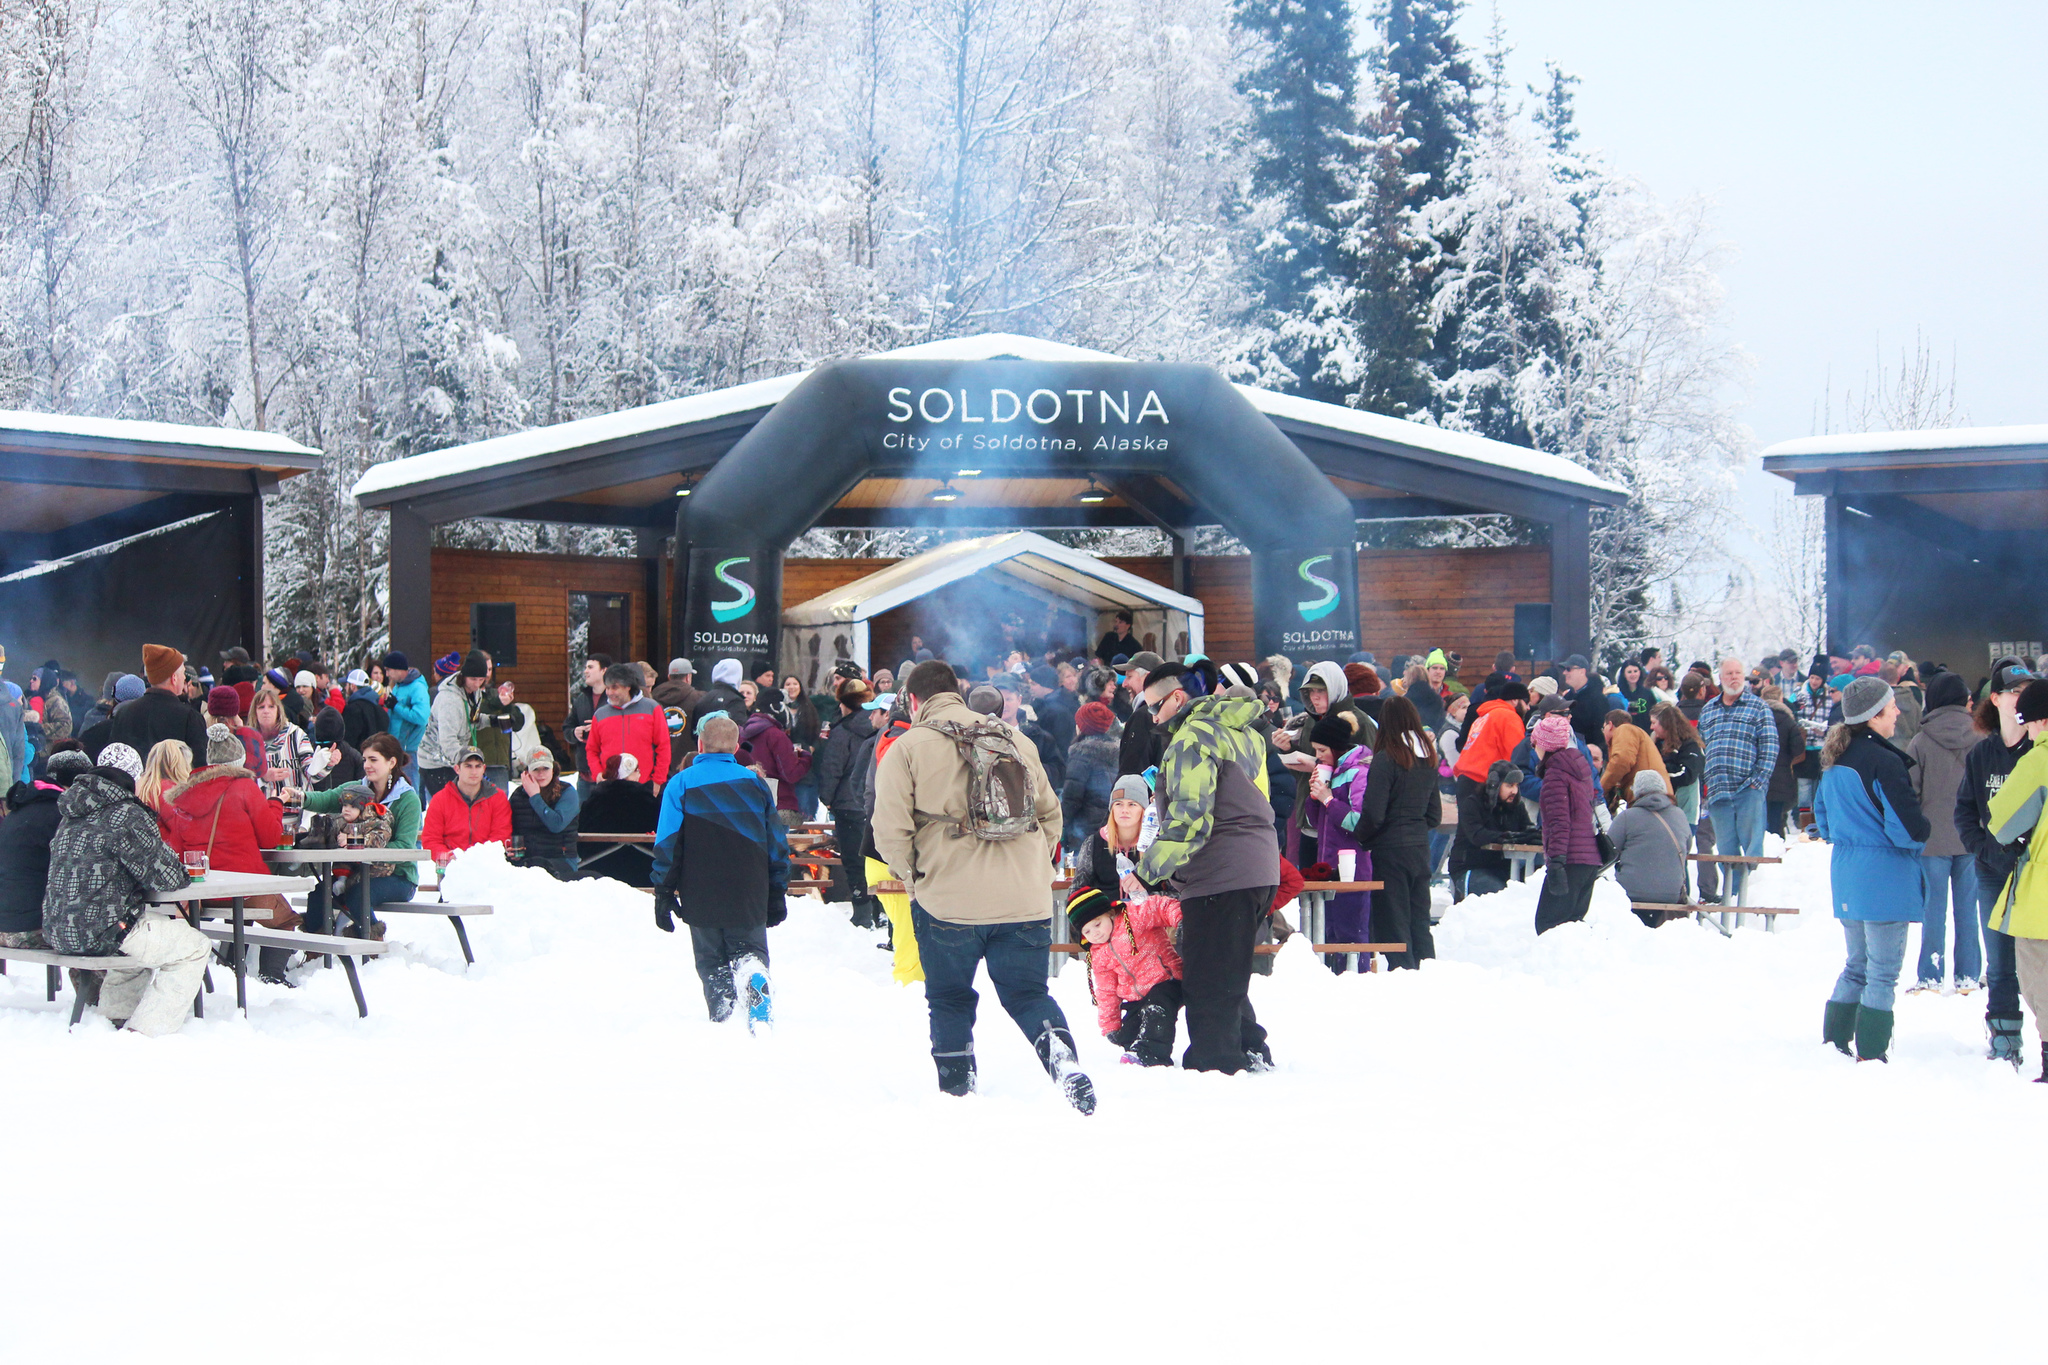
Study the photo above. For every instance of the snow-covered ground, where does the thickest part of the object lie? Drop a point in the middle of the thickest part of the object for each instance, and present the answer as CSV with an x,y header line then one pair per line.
x,y
1612,1144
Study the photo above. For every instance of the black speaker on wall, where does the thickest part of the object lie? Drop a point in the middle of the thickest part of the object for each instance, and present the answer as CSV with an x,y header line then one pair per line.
x,y
1532,631
494,629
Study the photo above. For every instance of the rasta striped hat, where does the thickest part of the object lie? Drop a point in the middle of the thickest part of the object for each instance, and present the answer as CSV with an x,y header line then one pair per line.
x,y
1085,904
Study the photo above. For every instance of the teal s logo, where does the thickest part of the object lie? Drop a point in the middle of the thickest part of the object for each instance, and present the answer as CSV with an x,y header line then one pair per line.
x,y
1317,608
744,603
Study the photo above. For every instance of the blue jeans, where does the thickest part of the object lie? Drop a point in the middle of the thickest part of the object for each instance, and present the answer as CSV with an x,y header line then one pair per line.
x,y
1439,844
1738,830
1016,955
382,890
1871,975
1943,870
2001,966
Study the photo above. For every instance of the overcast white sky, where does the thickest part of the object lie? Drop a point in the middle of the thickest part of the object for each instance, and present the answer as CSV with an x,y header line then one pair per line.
x,y
1879,167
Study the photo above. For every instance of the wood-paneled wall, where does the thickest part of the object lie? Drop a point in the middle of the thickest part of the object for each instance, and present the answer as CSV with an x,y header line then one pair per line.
x,y
1410,600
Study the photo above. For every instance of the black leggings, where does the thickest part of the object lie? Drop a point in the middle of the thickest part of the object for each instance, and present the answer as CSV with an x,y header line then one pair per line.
x,y
1400,909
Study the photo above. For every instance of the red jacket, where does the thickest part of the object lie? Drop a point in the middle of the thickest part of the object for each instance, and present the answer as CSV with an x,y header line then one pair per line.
x,y
1291,882
1138,956
641,729
453,823
1495,733
249,821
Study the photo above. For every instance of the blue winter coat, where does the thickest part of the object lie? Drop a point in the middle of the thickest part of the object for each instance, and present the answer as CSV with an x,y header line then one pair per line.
x,y
1866,808
410,703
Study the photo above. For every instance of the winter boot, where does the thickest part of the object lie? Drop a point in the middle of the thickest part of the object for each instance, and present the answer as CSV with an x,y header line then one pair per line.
x,y
759,1016
2007,1045
956,1072
1873,1035
1838,1025
1154,1043
1056,1051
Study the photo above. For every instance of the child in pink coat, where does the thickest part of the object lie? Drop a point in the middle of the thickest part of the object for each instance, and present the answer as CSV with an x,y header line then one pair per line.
x,y
1133,970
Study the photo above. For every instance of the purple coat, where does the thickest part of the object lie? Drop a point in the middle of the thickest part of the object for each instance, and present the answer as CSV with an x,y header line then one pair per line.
x,y
1347,918
1567,806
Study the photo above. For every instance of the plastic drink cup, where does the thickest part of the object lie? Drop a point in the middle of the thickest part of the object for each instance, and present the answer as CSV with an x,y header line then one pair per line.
x,y
1347,864
1325,772
195,861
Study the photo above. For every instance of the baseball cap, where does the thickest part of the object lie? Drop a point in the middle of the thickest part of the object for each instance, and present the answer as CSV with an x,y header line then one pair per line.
x,y
466,753
681,668
2011,675
1145,661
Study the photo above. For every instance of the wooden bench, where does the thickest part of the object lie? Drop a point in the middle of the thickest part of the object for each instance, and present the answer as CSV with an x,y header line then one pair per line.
x,y
1700,912
313,945
1741,906
449,910
54,962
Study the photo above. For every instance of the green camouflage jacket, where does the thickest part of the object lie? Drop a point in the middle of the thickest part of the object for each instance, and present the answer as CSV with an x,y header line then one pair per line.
x,y
1211,732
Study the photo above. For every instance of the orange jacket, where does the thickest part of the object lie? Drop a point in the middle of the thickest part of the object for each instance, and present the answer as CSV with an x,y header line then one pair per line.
x,y
1495,733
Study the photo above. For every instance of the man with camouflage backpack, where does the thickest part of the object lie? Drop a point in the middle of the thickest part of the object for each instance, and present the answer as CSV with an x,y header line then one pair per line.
x,y
965,818
1215,850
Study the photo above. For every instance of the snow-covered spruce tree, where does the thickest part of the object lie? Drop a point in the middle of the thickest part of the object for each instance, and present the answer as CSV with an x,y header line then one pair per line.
x,y
1305,162
1419,118
1516,228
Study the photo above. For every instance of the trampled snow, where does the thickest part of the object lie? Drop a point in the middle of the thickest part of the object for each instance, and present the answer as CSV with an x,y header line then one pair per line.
x,y
1610,1144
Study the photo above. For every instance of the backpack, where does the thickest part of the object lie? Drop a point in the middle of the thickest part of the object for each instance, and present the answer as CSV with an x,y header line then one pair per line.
x,y
1000,801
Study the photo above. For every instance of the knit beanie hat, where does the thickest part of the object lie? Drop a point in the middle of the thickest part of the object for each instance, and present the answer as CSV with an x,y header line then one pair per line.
x,y
129,688
1840,682
1552,732
1238,675
1085,904
221,746
446,665
279,679
161,663
2033,703
327,727
1131,787
123,759
224,702
1864,698
1946,689
1543,685
985,700
1650,780
1436,659
474,665
1335,734
1094,719
355,794
302,678
395,660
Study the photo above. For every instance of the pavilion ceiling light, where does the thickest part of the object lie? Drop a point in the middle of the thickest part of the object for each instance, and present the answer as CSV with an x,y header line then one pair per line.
x,y
945,492
967,473
1092,494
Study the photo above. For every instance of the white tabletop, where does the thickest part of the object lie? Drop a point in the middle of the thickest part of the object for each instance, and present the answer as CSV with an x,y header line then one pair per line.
x,y
347,855
221,885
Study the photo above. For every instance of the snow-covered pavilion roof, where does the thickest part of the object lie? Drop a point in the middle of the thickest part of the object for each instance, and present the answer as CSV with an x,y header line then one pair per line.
x,y
122,438
434,471
1033,560
1876,449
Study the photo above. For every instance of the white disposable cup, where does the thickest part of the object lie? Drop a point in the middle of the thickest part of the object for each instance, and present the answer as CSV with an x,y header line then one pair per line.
x,y
1326,772
1347,864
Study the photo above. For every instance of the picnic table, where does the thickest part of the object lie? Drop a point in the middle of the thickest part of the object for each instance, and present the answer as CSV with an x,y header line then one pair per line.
x,y
235,888
643,844
1731,917
1315,902
1520,856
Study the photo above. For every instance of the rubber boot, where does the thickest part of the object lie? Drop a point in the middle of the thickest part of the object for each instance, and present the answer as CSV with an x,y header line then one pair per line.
x,y
1873,1034
1838,1025
2007,1044
956,1073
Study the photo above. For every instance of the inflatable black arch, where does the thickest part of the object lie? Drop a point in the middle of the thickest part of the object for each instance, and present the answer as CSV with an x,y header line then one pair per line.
x,y
1013,419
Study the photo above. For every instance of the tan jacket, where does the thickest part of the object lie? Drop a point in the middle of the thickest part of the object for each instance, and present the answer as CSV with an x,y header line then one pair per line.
x,y
1631,750
952,875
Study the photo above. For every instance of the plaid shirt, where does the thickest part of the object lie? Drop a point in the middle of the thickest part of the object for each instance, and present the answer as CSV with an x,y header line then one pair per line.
x,y
1742,744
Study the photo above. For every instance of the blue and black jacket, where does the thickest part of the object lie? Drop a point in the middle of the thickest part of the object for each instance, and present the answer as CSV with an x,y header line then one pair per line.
x,y
1866,808
719,847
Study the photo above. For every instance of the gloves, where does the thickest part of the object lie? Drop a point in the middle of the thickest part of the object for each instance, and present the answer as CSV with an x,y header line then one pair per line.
x,y
664,909
778,906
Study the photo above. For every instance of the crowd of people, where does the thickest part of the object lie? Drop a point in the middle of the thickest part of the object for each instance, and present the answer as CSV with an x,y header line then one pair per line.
x,y
1186,802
